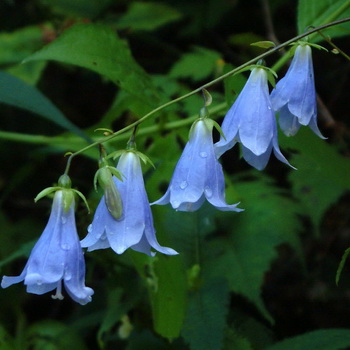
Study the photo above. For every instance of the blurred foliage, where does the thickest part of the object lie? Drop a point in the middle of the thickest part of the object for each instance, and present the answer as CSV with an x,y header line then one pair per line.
x,y
260,279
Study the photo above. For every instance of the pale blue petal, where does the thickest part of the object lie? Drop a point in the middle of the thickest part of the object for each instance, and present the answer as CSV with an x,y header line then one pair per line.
x,y
259,162
313,126
297,91
288,122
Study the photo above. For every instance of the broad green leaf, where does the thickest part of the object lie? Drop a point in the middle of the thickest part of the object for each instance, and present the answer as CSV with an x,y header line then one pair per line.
x,y
316,192
169,299
98,48
205,321
318,12
146,340
16,46
165,277
53,335
270,218
147,16
29,73
319,160
79,8
197,65
15,92
324,339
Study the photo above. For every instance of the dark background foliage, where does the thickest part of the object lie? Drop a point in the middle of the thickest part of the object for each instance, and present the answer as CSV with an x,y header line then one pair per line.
x,y
242,281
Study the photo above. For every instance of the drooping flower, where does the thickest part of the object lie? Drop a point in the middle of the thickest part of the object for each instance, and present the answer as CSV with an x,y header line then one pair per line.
x,y
251,121
198,174
57,256
134,229
295,96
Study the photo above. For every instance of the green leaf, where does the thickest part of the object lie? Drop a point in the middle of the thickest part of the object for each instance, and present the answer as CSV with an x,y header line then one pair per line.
x,y
324,339
114,311
148,16
98,48
318,12
169,300
197,65
16,46
53,335
79,8
270,218
341,265
166,281
15,92
22,251
206,316
321,177
325,158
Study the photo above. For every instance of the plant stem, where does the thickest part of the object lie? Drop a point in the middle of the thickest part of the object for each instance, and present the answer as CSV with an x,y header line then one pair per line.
x,y
230,73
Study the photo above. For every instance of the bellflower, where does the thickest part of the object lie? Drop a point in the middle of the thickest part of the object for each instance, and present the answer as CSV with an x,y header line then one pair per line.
x,y
251,121
134,228
295,97
198,174
57,256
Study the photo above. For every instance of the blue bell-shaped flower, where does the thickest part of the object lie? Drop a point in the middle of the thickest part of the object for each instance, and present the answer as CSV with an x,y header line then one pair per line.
x,y
251,121
57,256
295,96
134,229
198,174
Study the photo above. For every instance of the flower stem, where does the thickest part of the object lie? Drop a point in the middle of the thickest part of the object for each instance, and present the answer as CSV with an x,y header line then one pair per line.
x,y
199,89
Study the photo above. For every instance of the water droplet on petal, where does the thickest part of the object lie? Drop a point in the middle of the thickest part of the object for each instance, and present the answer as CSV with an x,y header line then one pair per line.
x,y
39,282
183,185
65,246
90,228
64,220
203,154
208,191
175,204
68,276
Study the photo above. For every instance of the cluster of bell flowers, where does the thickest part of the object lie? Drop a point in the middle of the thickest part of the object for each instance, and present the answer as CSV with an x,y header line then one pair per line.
x,y
123,218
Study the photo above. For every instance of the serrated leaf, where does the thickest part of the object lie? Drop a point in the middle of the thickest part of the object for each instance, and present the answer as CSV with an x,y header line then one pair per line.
x,y
206,316
147,16
270,218
318,12
17,93
197,65
98,48
324,339
322,173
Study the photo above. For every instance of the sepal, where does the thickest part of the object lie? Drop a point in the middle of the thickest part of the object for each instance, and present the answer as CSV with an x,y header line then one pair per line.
x,y
46,192
83,198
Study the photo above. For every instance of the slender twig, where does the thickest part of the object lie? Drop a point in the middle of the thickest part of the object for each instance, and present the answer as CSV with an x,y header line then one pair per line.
x,y
193,92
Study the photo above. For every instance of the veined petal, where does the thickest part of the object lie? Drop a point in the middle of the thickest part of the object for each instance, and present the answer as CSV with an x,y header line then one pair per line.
x,y
297,88
288,122
187,183
256,114
259,162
